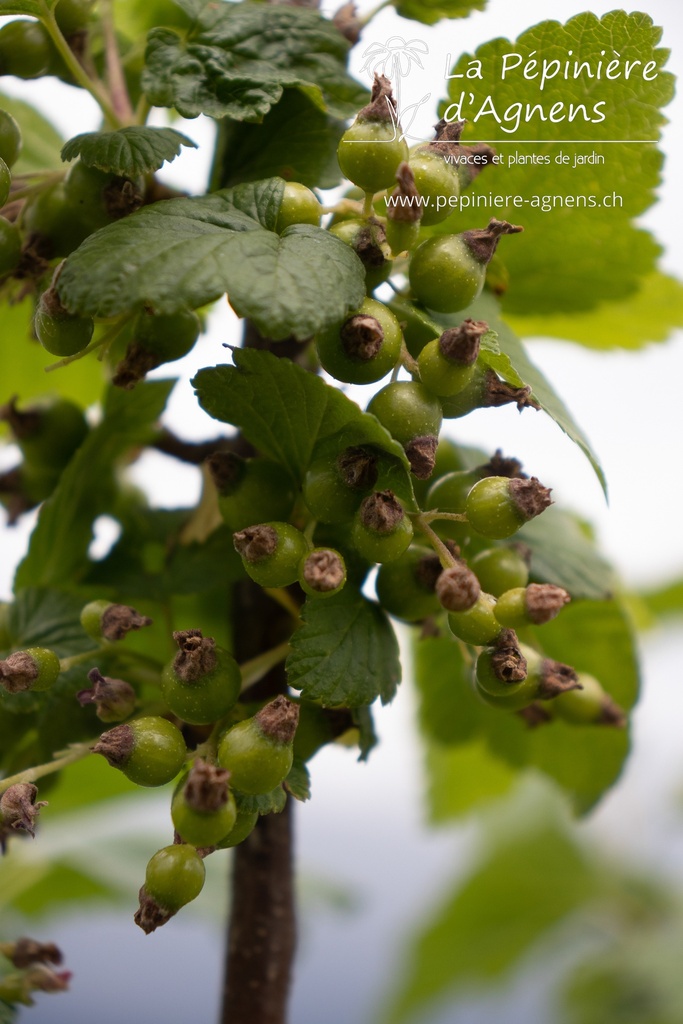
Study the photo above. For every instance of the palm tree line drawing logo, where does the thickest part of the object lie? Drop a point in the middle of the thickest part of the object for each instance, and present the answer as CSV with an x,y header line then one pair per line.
x,y
395,59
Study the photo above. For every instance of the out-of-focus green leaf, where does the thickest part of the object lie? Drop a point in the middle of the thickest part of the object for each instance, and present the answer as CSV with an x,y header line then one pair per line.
x,y
464,778
512,896
40,140
648,315
57,552
561,553
61,883
664,602
430,11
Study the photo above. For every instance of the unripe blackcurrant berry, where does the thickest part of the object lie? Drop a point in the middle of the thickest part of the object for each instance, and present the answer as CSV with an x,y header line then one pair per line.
x,y
10,138
404,212
406,586
368,239
157,339
447,272
381,529
530,606
322,572
500,569
372,148
271,553
203,808
336,482
244,825
48,431
202,682
365,348
498,506
175,876
250,490
36,668
412,415
149,751
105,620
502,669
457,588
258,752
588,704
10,246
478,625
58,331
436,176
299,206
447,363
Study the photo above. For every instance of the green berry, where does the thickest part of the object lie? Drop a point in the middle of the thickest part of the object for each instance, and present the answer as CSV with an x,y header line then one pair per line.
x,y
478,625
106,620
10,246
500,569
63,335
402,235
251,490
203,681
381,530
167,337
10,138
73,15
35,668
447,272
511,608
5,182
369,154
407,410
149,751
435,178
258,752
449,494
244,826
175,876
589,705
50,218
271,552
405,587
322,572
498,506
203,808
336,482
365,348
299,206
26,49
48,431
97,197
368,239
447,364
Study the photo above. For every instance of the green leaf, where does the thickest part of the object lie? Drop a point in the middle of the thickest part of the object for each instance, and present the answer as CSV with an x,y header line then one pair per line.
x,y
187,252
515,367
447,711
47,618
129,151
40,140
265,803
564,554
464,778
237,59
570,257
345,654
664,601
284,411
298,782
367,737
31,7
26,377
650,314
517,891
57,554
430,11
295,141
47,886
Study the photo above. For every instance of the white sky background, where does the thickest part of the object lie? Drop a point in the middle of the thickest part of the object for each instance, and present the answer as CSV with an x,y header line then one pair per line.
x,y
635,429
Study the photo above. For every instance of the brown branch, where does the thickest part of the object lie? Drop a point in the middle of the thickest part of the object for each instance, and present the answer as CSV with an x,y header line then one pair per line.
x,y
263,930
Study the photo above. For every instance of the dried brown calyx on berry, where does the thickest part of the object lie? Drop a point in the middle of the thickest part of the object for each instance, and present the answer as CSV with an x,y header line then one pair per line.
x,y
114,699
